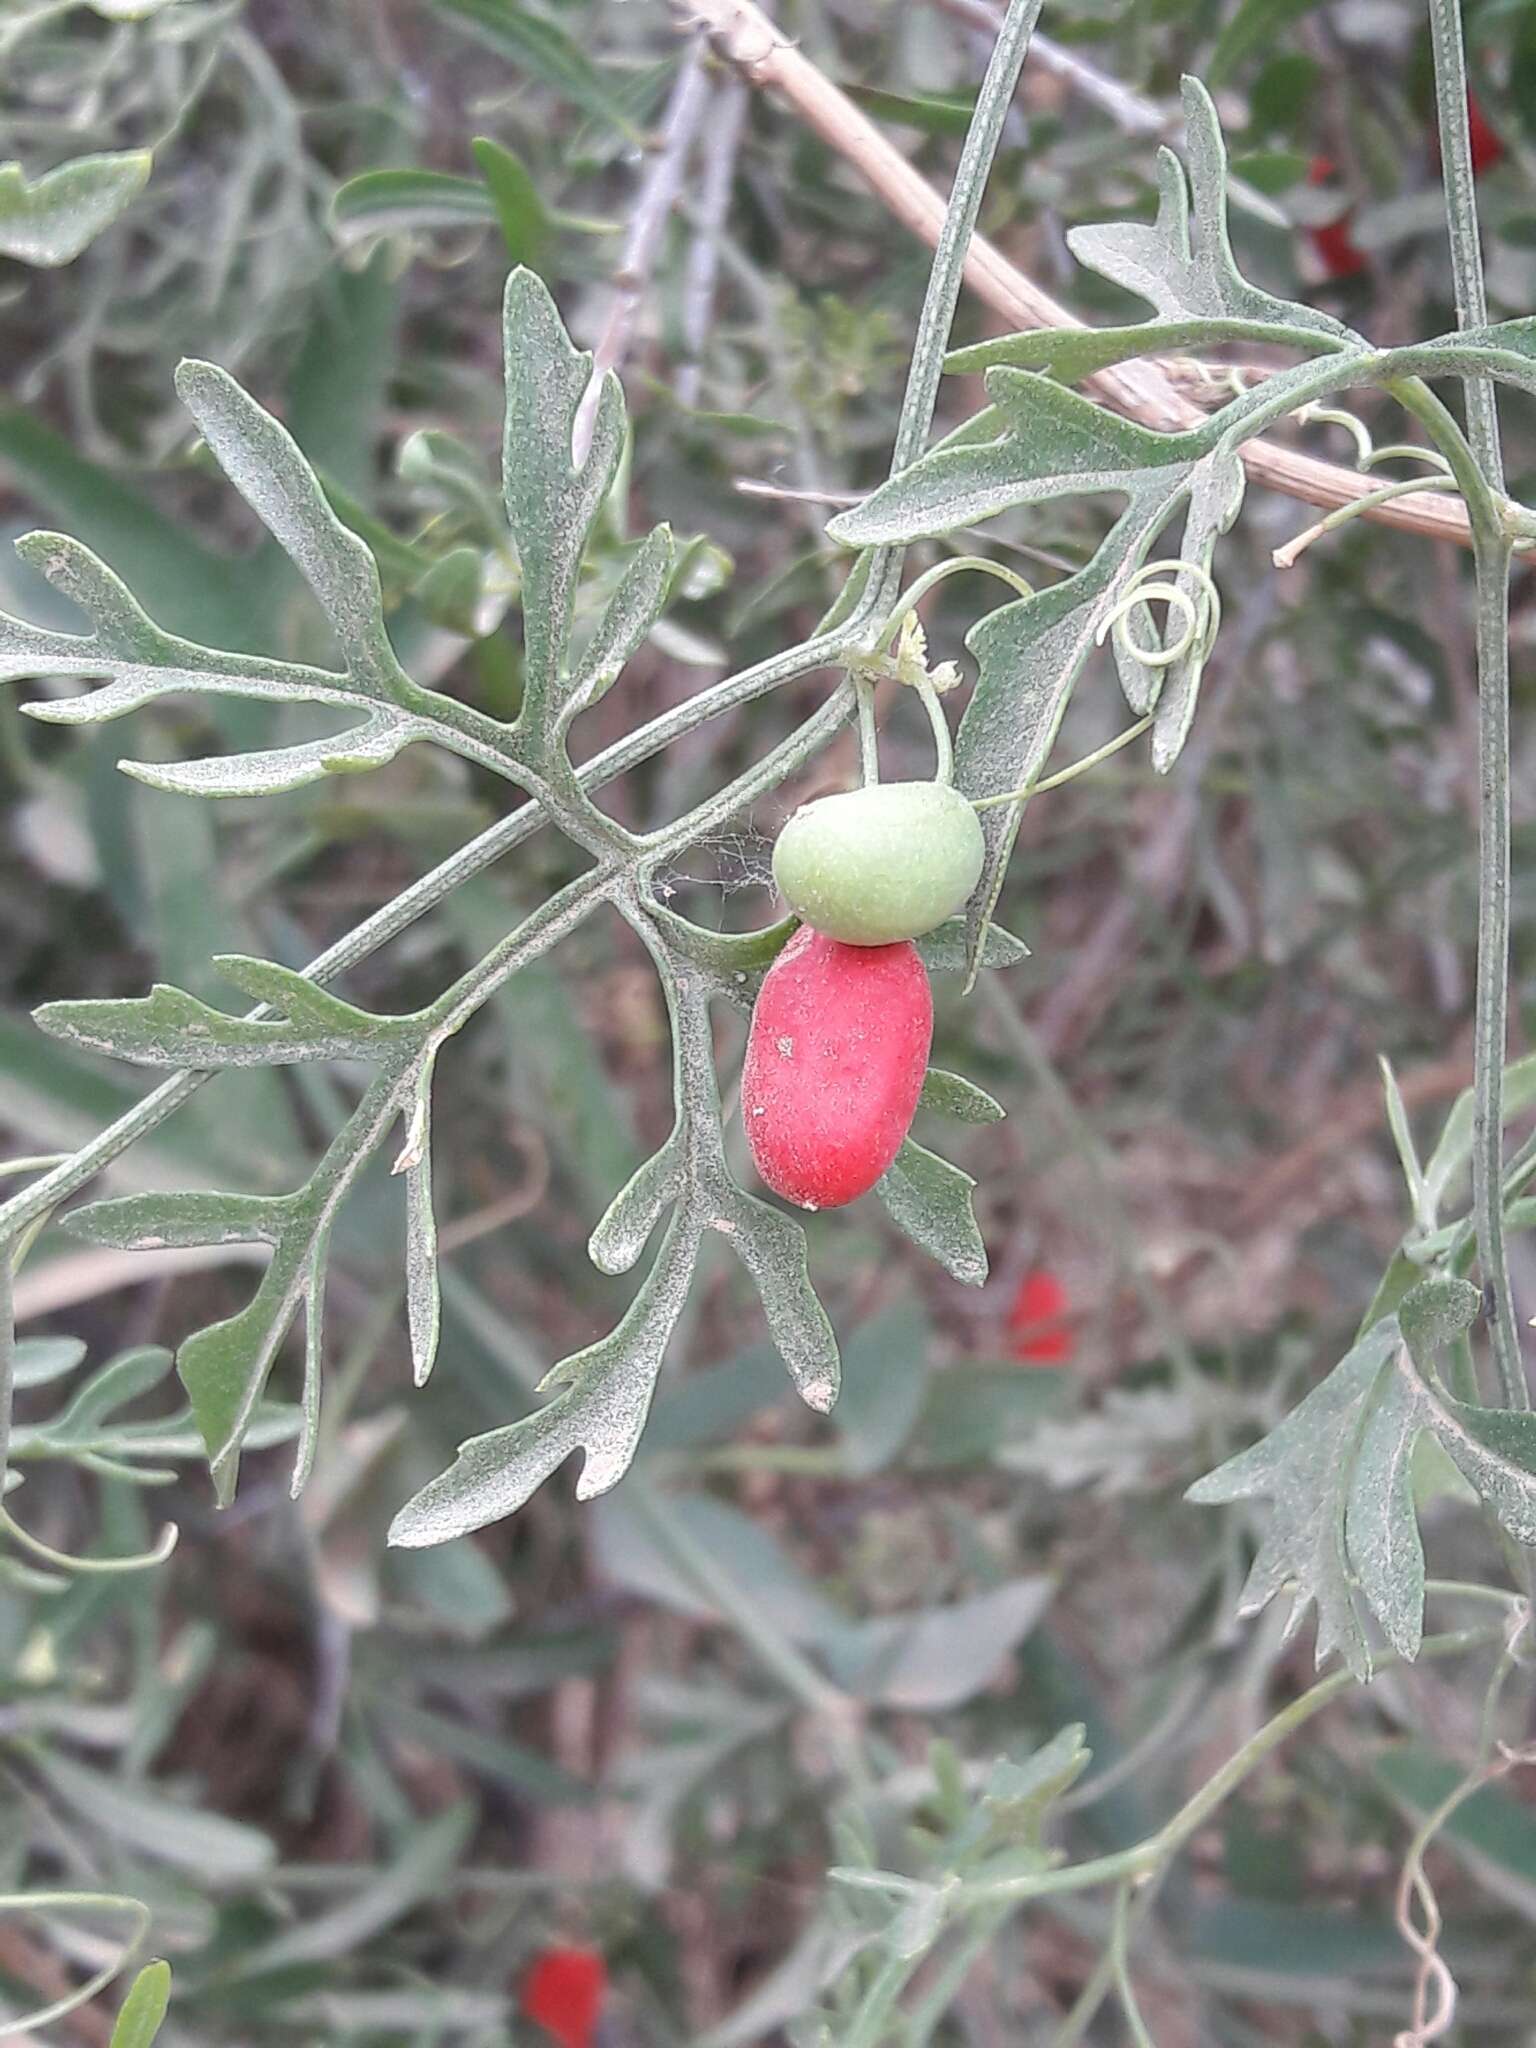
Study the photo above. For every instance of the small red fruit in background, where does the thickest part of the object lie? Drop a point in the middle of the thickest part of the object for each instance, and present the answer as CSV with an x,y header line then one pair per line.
x,y
563,1993
1333,243
1037,1332
1487,149
835,1062
1486,142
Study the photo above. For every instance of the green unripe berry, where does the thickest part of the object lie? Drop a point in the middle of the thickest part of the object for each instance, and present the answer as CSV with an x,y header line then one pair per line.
x,y
875,865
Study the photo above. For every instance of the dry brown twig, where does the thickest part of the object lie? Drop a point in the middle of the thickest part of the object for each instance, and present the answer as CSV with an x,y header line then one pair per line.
x,y
1141,390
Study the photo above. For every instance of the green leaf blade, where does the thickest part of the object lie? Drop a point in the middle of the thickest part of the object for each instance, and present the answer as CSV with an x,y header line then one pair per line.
x,y
53,219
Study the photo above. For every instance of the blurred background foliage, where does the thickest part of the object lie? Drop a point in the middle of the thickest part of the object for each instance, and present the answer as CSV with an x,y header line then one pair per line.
x,y
364,1792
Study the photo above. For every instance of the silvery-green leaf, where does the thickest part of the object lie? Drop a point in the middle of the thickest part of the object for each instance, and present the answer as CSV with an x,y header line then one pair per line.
x,y
1434,1313
1339,1475
1018,1796
300,999
627,618
39,1360
532,44
225,1367
272,770
1407,1150
215,1850
599,1406
1305,1469
919,1923
48,221
265,465
1183,264
626,1225
451,477
1381,1523
313,1298
1215,497
772,1247
146,1223
169,1028
940,1657
142,660
1030,655
451,590
552,501
736,961
1493,1448
1051,443
1506,350
1449,1160
930,1201
422,1295
953,1095
944,949
407,202
1071,353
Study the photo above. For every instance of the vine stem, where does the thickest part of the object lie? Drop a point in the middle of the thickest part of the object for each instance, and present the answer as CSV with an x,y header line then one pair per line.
x,y
77,1902
1491,557
1143,1864
943,745
1286,557
1150,1855
7,1357
951,252
1142,391
1068,774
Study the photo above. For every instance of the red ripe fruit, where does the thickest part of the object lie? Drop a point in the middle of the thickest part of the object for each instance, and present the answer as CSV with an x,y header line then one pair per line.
x,y
1487,145
563,1994
1037,1332
1333,243
835,1064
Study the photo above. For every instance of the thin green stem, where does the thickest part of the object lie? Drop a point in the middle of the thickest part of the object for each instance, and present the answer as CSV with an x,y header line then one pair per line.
x,y
939,1994
1453,111
1492,562
947,275
39,1162
878,2006
7,1358
1287,556
1150,1855
1491,1025
76,1902
953,565
869,739
1120,1966
943,745
1491,549
88,1567
1085,2007
1070,773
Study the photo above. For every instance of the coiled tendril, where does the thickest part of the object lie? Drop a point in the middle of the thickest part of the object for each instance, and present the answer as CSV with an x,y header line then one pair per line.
x,y
1201,612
